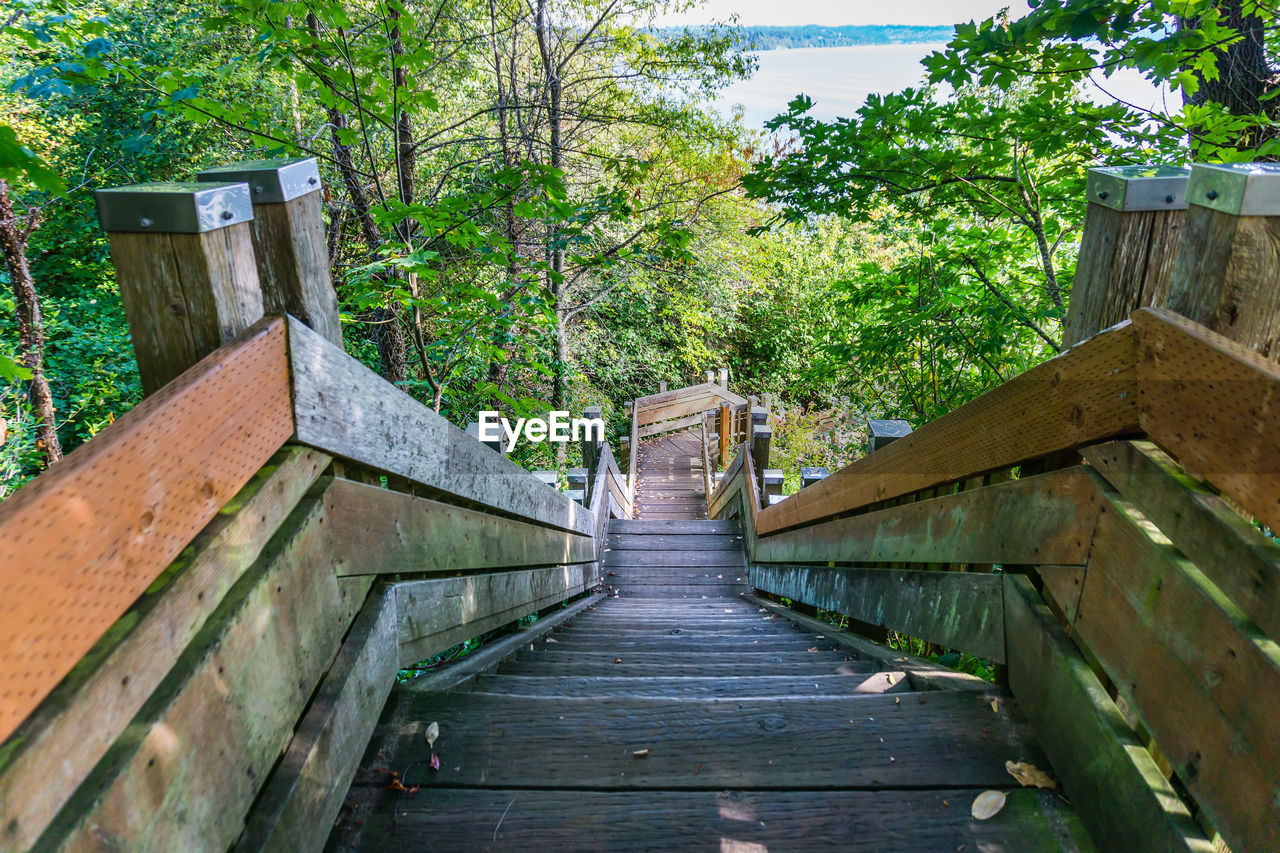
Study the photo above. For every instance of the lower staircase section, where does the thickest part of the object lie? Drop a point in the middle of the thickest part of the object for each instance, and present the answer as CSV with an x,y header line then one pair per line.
x,y
676,711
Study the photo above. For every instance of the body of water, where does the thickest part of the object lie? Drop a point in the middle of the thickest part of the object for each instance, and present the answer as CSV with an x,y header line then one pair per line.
x,y
840,78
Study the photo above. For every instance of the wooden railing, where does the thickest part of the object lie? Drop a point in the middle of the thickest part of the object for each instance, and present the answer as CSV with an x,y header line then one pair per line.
x,y
1132,562
206,605
679,409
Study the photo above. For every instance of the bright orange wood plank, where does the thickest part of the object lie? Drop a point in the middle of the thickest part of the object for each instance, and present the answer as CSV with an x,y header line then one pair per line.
x,y
82,541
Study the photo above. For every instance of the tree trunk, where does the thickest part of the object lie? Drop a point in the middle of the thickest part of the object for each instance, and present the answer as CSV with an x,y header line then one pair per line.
x,y
1243,77
13,242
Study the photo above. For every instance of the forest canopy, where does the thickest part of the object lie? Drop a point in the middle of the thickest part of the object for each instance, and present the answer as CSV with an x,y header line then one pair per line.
x,y
538,205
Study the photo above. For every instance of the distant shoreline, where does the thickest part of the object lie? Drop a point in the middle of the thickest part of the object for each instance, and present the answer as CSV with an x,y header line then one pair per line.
x,y
814,36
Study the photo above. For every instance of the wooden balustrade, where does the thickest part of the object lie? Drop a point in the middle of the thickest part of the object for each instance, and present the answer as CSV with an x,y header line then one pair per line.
x,y
271,507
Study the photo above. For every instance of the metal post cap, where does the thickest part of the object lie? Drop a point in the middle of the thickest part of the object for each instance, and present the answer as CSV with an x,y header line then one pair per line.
x,y
173,208
1241,189
270,181
1153,187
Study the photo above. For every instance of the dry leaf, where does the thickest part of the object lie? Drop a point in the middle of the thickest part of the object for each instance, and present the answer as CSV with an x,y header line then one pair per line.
x,y
552,640
1028,775
845,669
987,805
995,705
640,753
814,649
435,761
617,660
433,732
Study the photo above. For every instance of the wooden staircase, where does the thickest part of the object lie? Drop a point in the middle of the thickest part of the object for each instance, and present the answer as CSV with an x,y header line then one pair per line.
x,y
675,711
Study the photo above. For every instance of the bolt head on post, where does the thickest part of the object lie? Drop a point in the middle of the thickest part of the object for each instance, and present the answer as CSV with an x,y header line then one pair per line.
x,y
1152,187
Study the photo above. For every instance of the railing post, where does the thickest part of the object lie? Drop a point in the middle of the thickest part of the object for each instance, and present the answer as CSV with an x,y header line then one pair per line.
x,y
811,475
577,478
184,259
711,375
591,449
772,479
1225,275
724,378
760,437
883,433
289,239
662,386
725,429
1132,229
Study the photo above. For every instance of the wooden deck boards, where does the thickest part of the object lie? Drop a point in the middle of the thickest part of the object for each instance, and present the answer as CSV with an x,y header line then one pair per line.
x,y
669,482
678,714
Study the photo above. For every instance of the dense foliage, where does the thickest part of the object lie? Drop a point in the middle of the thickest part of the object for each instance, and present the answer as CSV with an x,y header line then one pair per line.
x,y
535,205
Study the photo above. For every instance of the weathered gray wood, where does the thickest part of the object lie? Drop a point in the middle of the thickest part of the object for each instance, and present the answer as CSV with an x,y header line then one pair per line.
x,y
961,610
677,542
1225,546
378,531
670,426
703,687
1126,262
588,743
1120,793
654,666
1224,277
436,614
492,654
922,674
343,407
730,558
305,791
1043,519
185,295
734,820
205,741
293,263
58,745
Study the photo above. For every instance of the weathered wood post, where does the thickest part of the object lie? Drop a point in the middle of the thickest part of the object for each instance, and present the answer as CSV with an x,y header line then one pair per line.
x,y
662,386
577,478
1132,229
289,239
1226,271
724,428
760,438
724,378
185,262
773,479
711,375
591,448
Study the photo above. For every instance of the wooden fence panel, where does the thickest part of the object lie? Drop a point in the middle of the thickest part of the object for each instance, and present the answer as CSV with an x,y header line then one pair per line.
x,y
87,537
1043,519
378,531
1083,396
346,409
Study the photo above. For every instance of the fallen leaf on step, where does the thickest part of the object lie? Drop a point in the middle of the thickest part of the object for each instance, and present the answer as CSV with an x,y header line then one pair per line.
x,y
987,805
1028,775
995,705
433,732
640,753
435,762
845,669
552,640
814,649
617,660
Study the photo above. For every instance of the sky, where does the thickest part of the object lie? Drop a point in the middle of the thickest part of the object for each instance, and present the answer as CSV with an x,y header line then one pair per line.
x,y
838,12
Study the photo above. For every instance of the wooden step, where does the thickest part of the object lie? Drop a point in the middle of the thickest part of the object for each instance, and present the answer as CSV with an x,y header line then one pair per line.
x,y
675,559
674,542
631,666
673,528
938,739
731,661
747,821
696,687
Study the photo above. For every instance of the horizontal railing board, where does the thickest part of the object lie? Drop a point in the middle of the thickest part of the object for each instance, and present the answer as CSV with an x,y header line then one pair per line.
x,y
1083,396
1115,784
1201,678
670,426
1043,519
436,614
379,531
1224,545
960,610
59,744
345,408
693,406
301,800
206,741
720,391
1214,405
89,535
